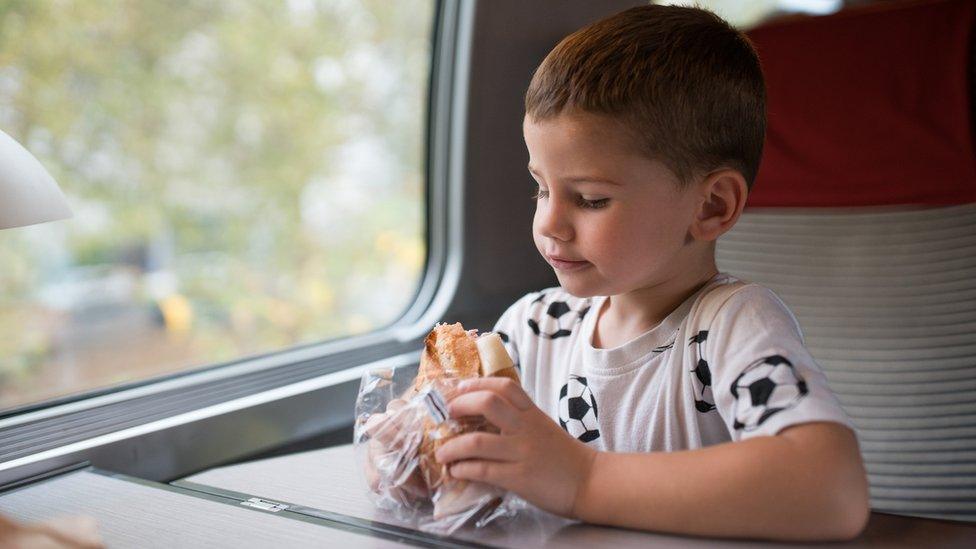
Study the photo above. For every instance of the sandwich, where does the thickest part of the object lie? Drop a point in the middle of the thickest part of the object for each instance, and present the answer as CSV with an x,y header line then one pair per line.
x,y
452,353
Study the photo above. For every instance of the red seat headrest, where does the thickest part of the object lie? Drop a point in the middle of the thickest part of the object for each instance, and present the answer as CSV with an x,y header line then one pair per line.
x,y
868,107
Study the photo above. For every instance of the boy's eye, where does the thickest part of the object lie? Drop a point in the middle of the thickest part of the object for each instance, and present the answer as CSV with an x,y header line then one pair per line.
x,y
593,204
580,201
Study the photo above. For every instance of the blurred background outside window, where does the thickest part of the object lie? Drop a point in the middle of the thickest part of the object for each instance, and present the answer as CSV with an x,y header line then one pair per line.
x,y
245,177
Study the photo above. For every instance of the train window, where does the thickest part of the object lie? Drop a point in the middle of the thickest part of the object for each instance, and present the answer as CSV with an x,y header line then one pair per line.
x,y
245,177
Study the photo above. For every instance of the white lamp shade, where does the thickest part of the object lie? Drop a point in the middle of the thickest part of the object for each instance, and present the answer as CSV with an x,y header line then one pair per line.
x,y
28,194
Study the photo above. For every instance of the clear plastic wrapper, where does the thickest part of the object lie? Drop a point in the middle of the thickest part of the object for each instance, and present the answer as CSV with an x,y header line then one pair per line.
x,y
398,428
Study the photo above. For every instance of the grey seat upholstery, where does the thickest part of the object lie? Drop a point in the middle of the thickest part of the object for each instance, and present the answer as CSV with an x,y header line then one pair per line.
x,y
886,299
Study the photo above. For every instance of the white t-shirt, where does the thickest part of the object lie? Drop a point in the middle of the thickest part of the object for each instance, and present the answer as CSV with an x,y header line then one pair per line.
x,y
728,364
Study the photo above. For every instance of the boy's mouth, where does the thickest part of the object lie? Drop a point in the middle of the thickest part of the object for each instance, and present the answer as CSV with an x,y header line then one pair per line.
x,y
561,264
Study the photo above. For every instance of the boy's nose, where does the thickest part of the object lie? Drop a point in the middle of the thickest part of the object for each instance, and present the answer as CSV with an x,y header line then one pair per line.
x,y
552,221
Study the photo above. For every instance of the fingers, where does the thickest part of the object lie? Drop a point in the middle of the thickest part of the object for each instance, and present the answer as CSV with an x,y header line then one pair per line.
x,y
476,445
504,386
412,490
387,427
395,405
492,472
372,475
496,409
379,427
387,474
74,532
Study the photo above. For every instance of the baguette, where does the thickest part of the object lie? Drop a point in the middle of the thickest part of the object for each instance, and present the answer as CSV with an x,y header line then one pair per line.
x,y
453,353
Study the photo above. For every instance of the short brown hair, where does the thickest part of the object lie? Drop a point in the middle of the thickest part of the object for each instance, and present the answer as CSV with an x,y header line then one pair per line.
x,y
687,84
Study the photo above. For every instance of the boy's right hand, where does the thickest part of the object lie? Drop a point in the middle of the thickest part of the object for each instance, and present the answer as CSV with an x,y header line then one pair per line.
x,y
386,454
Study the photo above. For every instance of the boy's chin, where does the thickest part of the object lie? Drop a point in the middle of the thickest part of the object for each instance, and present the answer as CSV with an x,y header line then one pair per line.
x,y
578,288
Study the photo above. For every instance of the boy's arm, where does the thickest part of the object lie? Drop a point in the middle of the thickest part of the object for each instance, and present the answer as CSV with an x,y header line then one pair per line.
x,y
806,483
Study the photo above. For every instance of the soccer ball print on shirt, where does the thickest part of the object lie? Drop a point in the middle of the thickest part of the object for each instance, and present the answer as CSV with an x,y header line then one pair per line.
x,y
767,386
577,409
558,320
701,375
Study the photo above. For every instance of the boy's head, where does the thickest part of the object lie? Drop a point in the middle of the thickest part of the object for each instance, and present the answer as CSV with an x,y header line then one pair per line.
x,y
686,86
644,132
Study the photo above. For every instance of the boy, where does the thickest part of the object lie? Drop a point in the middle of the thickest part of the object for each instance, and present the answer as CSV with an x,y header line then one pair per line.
x,y
685,399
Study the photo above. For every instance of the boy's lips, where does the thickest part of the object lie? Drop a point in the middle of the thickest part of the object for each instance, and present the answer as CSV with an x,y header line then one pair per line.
x,y
563,264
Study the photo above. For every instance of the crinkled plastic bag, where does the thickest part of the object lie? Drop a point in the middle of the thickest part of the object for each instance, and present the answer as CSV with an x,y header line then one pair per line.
x,y
396,432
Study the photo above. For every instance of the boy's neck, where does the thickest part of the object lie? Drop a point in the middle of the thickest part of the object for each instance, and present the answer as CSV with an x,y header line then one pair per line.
x,y
626,316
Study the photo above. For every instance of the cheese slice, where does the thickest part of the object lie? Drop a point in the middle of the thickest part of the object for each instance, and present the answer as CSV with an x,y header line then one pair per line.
x,y
494,357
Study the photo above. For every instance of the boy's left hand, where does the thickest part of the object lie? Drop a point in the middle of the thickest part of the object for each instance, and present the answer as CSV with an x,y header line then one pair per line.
x,y
531,456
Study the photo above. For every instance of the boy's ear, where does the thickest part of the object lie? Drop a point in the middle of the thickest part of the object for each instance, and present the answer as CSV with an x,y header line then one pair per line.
x,y
723,196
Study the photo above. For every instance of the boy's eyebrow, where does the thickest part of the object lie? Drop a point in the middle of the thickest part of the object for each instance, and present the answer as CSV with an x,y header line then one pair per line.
x,y
578,179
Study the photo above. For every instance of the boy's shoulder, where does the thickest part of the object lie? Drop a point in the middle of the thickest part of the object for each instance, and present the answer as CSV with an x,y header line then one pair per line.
x,y
728,298
726,287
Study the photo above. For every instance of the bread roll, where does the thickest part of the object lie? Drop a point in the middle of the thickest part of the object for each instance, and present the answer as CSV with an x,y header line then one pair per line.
x,y
453,353
449,352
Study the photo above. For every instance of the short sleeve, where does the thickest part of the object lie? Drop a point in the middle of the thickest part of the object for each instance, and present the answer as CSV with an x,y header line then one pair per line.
x,y
763,377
